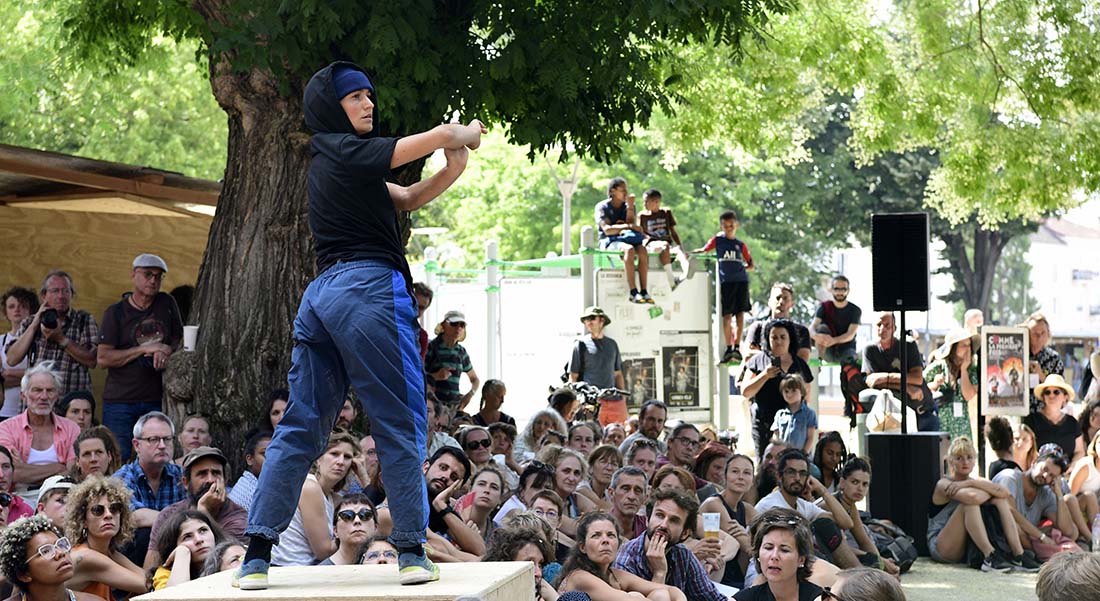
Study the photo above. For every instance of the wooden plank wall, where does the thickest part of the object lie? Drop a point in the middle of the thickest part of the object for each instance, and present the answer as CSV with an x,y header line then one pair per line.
x,y
97,249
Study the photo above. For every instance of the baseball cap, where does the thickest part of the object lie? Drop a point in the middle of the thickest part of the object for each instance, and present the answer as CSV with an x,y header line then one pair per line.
x,y
454,317
148,260
54,483
196,454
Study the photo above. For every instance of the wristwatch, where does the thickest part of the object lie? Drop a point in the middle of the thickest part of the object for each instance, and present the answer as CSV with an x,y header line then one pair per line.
x,y
64,344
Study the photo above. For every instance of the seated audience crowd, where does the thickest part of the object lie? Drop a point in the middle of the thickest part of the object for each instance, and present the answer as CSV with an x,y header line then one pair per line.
x,y
607,507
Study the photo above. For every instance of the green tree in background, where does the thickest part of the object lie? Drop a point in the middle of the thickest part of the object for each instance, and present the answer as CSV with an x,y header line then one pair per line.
x,y
157,112
554,71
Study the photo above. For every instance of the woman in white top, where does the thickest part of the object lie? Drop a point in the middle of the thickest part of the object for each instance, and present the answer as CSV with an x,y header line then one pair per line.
x,y
19,304
1084,479
309,537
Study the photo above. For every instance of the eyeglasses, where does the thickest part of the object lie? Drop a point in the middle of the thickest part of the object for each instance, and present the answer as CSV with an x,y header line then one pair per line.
x,y
376,555
547,514
474,444
1053,391
156,440
363,514
50,550
828,594
687,442
151,275
99,510
793,472
835,289
59,290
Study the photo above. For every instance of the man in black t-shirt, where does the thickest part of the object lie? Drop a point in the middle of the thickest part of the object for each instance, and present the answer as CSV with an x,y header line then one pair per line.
x,y
137,335
835,325
882,366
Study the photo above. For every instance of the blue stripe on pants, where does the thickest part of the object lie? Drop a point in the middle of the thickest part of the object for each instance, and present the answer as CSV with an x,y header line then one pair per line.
x,y
356,325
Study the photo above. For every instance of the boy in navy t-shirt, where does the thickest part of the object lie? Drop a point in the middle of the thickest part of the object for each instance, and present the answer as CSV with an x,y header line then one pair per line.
x,y
356,324
734,263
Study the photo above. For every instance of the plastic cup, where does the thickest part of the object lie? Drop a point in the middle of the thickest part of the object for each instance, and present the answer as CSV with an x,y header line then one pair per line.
x,y
190,337
712,523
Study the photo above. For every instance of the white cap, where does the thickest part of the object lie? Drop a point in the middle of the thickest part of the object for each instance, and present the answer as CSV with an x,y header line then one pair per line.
x,y
152,261
54,483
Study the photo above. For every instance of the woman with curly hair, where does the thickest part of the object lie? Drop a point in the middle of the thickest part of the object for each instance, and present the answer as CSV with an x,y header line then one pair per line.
x,y
517,543
97,454
98,522
35,558
186,539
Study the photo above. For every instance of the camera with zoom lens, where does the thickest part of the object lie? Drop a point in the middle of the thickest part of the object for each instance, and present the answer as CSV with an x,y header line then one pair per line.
x,y
49,318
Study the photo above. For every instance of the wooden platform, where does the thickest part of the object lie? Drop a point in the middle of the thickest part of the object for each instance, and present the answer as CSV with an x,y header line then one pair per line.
x,y
503,581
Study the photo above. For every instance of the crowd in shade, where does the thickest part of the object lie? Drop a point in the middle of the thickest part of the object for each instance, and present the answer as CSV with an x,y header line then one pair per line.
x,y
110,497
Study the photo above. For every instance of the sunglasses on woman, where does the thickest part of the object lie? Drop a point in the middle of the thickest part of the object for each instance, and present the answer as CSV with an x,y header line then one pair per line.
x,y
348,515
474,444
99,510
827,594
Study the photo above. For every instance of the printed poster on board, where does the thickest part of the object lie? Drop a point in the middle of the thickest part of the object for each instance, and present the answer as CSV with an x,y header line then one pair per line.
x,y
1004,374
681,375
640,377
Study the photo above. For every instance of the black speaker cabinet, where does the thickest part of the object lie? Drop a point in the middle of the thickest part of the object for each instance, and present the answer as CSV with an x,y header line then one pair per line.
x,y
904,472
899,261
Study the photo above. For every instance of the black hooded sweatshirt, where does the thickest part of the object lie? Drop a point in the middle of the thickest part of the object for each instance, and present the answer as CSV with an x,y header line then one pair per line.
x,y
351,213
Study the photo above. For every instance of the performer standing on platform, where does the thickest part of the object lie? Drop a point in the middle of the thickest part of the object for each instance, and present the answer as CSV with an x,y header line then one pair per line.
x,y
357,321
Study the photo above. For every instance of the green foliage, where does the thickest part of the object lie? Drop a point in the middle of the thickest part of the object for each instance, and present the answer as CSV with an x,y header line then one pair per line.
x,y
1005,93
158,112
554,71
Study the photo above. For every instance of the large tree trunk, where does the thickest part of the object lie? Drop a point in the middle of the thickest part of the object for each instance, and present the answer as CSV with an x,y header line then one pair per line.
x,y
258,260
972,257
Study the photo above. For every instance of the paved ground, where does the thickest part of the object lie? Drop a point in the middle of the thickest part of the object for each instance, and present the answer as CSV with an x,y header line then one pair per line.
x,y
931,581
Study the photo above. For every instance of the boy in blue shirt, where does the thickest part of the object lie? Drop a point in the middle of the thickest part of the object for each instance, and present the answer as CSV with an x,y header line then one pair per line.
x,y
796,425
734,263
356,324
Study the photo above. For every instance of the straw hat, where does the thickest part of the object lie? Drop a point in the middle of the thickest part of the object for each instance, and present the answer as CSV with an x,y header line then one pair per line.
x,y
953,337
1055,381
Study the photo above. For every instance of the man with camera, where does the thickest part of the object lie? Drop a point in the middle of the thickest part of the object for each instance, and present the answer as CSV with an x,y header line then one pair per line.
x,y
139,334
60,334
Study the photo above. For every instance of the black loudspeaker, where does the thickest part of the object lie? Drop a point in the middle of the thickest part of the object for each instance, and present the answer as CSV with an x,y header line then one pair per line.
x,y
904,472
899,261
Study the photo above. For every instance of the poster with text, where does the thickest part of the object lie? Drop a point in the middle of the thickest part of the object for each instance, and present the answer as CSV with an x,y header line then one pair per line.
x,y
1004,371
681,375
640,376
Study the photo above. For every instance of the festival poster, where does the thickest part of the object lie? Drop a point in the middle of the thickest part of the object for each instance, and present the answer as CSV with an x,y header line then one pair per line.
x,y
1004,374
640,377
681,375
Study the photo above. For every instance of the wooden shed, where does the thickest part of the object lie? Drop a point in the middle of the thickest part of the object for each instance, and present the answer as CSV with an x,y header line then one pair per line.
x,y
91,218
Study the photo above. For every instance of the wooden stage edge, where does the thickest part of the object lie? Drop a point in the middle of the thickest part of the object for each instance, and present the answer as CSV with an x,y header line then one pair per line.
x,y
492,581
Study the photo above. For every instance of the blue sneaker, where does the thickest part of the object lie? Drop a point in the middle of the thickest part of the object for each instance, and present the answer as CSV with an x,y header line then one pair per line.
x,y
251,576
416,569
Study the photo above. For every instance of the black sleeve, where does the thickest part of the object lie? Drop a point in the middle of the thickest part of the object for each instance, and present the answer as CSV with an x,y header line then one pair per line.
x,y
368,156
